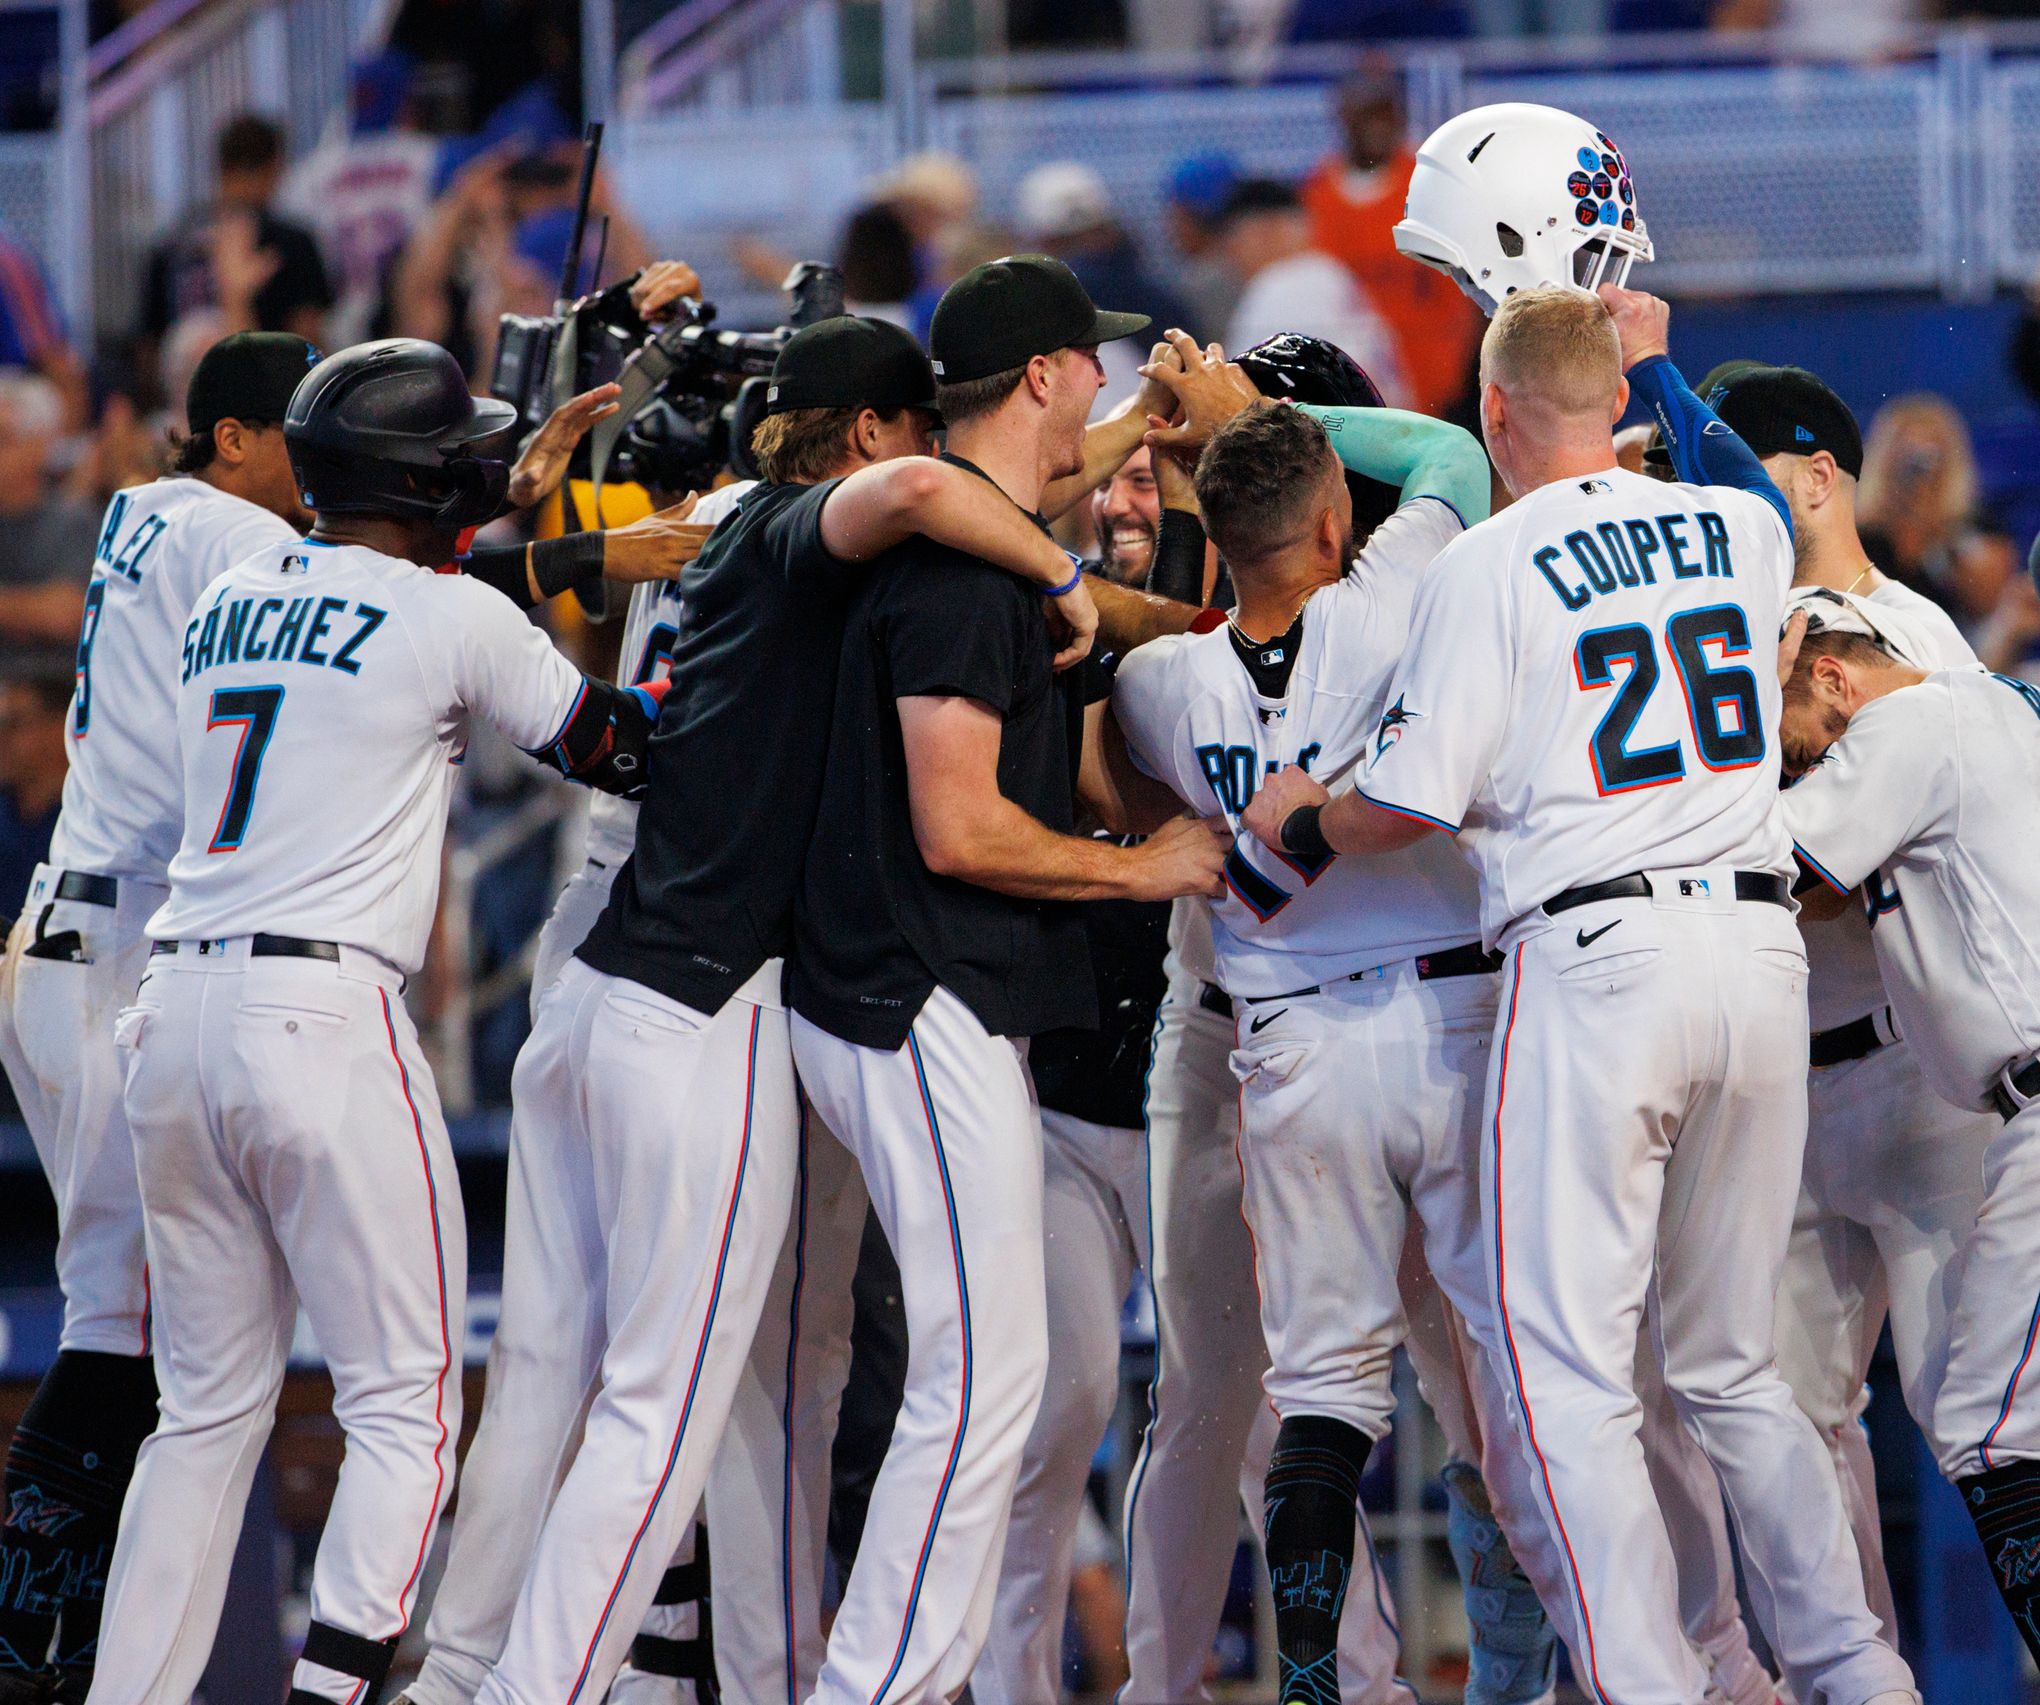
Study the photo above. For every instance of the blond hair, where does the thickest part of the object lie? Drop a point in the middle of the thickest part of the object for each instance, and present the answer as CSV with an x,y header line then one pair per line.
x,y
1557,346
802,446
1945,495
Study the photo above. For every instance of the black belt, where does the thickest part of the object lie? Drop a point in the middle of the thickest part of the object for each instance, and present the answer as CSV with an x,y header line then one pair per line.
x,y
2026,1080
1468,961
272,947
1214,999
93,890
1749,885
1849,1041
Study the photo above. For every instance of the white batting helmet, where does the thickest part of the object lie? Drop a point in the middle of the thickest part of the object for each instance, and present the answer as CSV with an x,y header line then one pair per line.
x,y
1508,197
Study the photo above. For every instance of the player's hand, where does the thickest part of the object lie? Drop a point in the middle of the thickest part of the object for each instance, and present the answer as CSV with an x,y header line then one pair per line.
x,y
656,548
1288,789
544,463
1642,321
1184,856
1788,644
1073,620
1208,391
656,294
1156,399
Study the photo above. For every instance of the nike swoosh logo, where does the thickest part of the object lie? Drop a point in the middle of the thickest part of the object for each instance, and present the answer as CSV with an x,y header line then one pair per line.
x,y
1255,1028
1586,940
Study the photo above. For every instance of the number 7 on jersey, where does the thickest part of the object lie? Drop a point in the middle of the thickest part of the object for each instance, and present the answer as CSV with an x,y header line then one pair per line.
x,y
252,710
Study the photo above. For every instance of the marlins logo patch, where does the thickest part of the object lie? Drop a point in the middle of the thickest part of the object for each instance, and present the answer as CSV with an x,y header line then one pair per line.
x,y
1393,721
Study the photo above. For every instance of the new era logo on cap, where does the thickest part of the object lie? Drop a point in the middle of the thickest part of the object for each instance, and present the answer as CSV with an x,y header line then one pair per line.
x,y
1802,435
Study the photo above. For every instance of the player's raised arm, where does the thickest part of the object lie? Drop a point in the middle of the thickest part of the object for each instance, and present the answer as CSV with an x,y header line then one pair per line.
x,y
1419,456
1704,450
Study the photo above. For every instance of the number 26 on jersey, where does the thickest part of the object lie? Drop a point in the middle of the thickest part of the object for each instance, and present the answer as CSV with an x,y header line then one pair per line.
x,y
1721,696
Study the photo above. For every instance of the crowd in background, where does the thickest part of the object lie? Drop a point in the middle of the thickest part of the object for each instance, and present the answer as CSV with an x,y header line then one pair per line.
x,y
448,202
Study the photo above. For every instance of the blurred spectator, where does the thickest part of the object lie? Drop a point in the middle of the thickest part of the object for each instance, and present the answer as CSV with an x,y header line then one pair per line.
x,y
495,243
33,759
365,192
1292,286
46,541
1540,17
261,271
1064,209
1193,214
32,330
877,258
1921,519
1354,199
1860,29
123,450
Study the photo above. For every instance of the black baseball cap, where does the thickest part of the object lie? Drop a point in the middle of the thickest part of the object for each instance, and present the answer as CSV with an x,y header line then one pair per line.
x,y
1778,410
248,376
851,362
1001,315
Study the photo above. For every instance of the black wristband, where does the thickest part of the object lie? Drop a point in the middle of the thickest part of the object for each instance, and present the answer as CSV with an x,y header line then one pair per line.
x,y
1177,570
1303,833
560,564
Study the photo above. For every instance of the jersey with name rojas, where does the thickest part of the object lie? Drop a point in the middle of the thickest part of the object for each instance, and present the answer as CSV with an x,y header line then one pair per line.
x,y
1194,719
1931,802
325,696
160,546
1591,689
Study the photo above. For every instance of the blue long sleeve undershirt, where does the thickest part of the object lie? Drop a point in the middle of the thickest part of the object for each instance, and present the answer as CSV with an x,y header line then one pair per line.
x,y
1703,447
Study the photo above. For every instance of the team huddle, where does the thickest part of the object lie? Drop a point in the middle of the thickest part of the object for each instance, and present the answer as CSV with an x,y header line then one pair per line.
x,y
1602,957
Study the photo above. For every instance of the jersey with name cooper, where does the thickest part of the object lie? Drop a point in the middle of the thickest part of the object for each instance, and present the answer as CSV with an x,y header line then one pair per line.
x,y
735,769
875,930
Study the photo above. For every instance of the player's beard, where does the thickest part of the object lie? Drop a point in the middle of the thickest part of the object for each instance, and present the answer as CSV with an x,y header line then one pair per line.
x,y
1129,551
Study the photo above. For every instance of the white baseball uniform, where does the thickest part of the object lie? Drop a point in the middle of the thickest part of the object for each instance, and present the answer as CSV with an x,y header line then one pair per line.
x,y
1364,972
1931,802
1574,708
160,546
289,1145
1893,1181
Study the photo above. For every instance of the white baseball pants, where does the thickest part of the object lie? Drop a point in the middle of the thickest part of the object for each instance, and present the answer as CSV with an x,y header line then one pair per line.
x,y
1646,1114
1988,1413
290,1150
1210,1431
949,1140
56,1043
691,1134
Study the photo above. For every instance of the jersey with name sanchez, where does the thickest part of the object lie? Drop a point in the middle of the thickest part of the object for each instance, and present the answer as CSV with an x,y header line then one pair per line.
x,y
160,546
1590,689
1931,801
325,697
651,627
1195,719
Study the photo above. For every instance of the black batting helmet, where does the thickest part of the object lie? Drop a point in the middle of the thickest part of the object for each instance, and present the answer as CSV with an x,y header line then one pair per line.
x,y
389,428
1298,368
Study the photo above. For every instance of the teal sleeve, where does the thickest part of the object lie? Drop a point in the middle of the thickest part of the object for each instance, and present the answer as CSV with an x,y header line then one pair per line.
x,y
1420,456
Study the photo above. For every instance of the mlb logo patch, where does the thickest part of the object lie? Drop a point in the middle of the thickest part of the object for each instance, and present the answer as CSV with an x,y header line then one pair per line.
x,y
1594,488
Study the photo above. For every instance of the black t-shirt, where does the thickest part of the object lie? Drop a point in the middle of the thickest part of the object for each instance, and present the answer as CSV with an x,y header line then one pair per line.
x,y
875,932
180,275
735,768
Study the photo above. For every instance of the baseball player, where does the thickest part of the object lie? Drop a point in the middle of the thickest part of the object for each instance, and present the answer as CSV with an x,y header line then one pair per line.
x,y
77,953
1645,1118
924,957
1330,964
1917,805
287,1140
